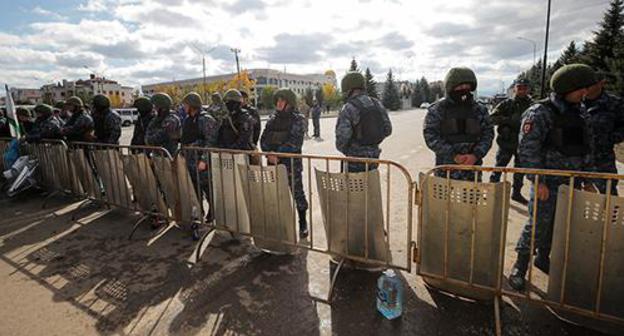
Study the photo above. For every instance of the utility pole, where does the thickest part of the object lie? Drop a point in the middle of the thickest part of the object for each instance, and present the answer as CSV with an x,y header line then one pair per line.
x,y
545,62
203,53
236,51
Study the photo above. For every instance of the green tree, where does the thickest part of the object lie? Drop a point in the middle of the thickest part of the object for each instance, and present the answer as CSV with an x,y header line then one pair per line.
x,y
354,66
267,97
371,84
571,54
608,38
390,97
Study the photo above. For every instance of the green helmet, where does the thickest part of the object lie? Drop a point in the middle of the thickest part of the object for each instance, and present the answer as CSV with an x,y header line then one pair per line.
x,y
216,98
143,104
74,101
457,76
20,111
44,109
193,99
572,77
352,80
286,94
100,101
232,95
59,104
162,101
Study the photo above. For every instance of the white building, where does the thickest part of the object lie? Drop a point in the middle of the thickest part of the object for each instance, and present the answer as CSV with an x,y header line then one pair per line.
x,y
119,95
262,77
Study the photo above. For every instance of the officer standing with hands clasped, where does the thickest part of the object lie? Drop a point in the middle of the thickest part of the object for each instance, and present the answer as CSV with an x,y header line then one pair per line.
x,y
283,133
507,116
458,129
164,129
555,134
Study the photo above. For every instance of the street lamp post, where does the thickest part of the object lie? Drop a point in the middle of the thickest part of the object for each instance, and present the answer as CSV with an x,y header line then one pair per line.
x,y
534,46
545,62
236,51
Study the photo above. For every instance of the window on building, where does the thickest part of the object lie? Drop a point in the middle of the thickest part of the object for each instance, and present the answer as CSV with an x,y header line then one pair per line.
x,y
123,94
261,80
110,93
116,93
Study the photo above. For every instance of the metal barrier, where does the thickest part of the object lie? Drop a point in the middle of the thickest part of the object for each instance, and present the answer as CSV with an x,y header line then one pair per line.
x,y
56,172
462,234
349,217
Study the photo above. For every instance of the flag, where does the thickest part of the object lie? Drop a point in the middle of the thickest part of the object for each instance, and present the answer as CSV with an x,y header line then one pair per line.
x,y
11,114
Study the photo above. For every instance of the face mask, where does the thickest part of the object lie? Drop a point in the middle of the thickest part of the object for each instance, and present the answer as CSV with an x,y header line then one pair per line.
x,y
462,97
232,105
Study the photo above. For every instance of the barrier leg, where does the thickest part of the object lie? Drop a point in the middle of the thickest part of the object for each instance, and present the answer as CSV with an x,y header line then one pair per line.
x,y
497,317
210,234
137,223
47,198
330,294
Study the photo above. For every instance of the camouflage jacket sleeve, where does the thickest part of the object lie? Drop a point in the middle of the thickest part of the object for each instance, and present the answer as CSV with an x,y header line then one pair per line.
x,y
81,126
155,135
432,133
264,145
618,127
531,149
294,143
209,128
245,133
482,147
501,113
347,117
113,124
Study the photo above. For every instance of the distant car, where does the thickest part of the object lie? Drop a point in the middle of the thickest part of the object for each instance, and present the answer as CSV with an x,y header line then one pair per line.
x,y
425,105
128,116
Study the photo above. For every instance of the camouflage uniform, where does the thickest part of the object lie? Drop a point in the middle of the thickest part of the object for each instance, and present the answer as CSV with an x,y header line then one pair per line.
x,y
257,126
607,121
283,133
348,119
138,135
78,127
537,150
107,127
164,131
45,127
508,116
446,148
236,131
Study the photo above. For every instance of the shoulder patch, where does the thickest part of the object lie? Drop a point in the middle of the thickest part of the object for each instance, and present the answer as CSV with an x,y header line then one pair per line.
x,y
527,125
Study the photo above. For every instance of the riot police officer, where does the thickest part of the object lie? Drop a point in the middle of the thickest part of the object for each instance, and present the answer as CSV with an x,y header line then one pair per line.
x,y
507,116
107,123
164,129
283,133
555,134
146,113
253,112
46,126
362,124
79,125
458,129
200,129
236,128
606,112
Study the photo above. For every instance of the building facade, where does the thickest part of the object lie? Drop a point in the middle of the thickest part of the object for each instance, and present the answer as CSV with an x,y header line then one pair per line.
x,y
26,96
120,96
262,77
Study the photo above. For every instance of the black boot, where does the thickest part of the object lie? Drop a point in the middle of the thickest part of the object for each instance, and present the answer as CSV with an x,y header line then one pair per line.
x,y
303,224
542,260
516,279
517,196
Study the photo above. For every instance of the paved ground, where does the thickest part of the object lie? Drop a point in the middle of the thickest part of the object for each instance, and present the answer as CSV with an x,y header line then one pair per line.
x,y
64,277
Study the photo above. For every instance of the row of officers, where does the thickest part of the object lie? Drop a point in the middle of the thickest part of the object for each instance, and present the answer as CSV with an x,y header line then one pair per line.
x,y
230,122
573,129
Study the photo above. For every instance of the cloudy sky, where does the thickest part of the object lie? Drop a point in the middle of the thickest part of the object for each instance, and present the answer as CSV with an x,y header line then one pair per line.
x,y
146,41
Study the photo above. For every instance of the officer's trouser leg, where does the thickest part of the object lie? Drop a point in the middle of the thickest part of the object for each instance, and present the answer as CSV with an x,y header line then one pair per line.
x,y
518,178
544,223
317,127
503,157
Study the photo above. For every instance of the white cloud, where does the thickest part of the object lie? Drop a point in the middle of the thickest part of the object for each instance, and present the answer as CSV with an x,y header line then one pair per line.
x,y
141,41
44,12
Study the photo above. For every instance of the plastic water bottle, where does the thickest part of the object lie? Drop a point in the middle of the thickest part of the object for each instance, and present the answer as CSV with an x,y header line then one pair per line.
x,y
390,295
